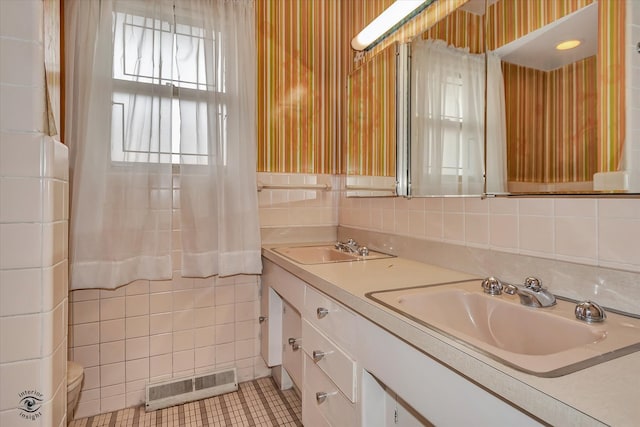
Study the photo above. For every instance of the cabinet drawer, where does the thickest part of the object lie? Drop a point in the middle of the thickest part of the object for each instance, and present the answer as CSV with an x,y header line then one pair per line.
x,y
334,410
335,363
331,317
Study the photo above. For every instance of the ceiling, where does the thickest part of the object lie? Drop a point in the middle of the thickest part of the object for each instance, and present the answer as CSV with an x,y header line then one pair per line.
x,y
537,49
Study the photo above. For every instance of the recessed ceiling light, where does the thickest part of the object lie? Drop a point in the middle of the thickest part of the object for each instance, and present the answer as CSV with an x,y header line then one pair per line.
x,y
568,44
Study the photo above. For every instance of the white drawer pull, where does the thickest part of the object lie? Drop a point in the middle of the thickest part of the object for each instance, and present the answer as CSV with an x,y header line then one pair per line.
x,y
318,355
294,343
321,396
322,312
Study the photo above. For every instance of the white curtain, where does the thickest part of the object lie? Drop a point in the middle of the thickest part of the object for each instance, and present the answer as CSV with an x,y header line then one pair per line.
x,y
161,119
447,116
496,128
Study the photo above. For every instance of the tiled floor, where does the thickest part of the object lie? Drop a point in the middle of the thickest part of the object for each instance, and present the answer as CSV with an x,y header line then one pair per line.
x,y
256,403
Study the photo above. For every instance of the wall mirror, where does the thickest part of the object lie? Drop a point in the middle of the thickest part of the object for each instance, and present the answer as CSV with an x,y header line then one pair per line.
x,y
564,110
402,139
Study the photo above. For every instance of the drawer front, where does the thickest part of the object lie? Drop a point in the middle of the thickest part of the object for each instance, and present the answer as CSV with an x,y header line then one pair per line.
x,y
331,317
334,410
334,362
284,283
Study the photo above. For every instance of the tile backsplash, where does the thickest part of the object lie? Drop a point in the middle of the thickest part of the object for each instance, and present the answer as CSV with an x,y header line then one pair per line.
x,y
598,232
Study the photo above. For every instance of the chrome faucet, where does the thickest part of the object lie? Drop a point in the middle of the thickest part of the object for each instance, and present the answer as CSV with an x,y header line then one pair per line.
x,y
531,294
351,246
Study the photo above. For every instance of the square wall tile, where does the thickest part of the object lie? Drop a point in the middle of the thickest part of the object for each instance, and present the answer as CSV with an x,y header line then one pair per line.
x,y
160,366
160,344
537,234
14,15
137,348
112,374
20,199
20,152
576,237
20,292
503,231
17,377
618,241
20,246
112,330
23,108
23,69
137,369
20,329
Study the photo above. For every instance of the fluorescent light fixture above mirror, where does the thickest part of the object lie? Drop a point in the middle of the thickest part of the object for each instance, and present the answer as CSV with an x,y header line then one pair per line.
x,y
386,21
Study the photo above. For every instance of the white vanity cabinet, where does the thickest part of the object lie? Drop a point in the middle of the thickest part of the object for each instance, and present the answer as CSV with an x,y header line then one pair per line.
x,y
353,371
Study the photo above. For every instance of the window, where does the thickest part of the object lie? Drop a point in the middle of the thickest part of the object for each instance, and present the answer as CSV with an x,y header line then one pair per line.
x,y
164,76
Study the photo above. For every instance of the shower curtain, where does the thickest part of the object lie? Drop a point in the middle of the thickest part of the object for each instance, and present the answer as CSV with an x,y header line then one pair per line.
x,y
161,126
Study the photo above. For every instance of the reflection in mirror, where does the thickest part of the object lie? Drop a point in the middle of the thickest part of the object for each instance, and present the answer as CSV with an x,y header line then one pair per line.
x,y
372,126
564,109
447,93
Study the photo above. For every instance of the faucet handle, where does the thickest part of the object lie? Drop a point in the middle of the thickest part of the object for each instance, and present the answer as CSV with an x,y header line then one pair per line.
x,y
533,283
351,242
492,286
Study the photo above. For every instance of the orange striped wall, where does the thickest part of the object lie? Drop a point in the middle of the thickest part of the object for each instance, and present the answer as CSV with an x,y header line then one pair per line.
x,y
371,125
611,84
300,84
460,29
551,122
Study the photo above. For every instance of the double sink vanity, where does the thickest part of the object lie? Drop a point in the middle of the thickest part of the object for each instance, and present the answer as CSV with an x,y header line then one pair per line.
x,y
372,339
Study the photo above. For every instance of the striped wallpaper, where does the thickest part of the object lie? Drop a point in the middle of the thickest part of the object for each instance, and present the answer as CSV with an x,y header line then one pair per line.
x,y
460,29
611,84
300,84
371,120
304,58
551,125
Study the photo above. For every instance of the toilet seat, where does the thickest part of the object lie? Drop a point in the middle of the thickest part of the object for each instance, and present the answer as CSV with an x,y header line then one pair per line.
x,y
74,374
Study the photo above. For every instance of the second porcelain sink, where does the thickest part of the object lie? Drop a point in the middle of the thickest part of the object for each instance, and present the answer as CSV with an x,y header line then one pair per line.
x,y
546,342
321,254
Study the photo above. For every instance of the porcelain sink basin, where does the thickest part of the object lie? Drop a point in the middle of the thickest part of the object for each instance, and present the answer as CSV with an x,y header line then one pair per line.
x,y
547,342
322,254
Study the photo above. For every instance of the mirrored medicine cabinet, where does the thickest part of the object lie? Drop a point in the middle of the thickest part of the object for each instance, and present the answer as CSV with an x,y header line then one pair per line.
x,y
552,135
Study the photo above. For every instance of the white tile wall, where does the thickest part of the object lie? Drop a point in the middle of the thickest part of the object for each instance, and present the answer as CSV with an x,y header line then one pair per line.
x,y
148,331
33,226
297,207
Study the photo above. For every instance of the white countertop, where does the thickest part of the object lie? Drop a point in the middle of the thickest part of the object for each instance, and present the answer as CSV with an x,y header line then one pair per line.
x,y
604,394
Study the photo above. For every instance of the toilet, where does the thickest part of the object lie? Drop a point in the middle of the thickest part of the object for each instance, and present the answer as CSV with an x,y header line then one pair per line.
x,y
75,373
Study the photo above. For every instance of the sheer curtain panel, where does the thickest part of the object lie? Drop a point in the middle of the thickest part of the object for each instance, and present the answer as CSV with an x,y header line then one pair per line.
x,y
161,130
447,120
